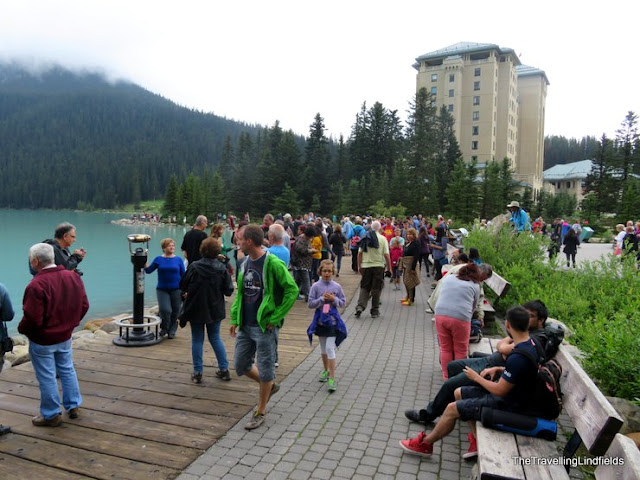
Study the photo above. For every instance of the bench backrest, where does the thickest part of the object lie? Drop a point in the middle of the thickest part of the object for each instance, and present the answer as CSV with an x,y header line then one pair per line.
x,y
595,419
622,448
498,284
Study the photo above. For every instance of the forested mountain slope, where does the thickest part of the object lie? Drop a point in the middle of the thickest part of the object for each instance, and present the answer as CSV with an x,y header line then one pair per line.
x,y
69,140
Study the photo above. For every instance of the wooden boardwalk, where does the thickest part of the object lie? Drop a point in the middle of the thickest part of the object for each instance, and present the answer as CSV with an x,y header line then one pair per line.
x,y
142,417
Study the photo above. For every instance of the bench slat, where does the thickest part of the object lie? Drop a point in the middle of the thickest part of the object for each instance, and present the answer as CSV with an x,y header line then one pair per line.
x,y
497,451
625,448
593,416
536,447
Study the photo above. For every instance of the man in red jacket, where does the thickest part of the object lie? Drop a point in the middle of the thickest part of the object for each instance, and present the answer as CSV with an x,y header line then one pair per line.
x,y
54,303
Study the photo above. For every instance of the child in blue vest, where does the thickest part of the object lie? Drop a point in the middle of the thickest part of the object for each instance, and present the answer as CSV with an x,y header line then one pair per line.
x,y
326,296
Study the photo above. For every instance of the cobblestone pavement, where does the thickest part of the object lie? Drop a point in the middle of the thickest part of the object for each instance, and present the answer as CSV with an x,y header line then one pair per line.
x,y
386,365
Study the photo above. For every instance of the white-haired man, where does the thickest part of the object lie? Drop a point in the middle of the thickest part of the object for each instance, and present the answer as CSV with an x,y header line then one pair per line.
x,y
54,303
373,258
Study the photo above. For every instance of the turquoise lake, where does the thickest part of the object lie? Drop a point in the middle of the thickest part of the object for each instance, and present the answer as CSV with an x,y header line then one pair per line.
x,y
108,272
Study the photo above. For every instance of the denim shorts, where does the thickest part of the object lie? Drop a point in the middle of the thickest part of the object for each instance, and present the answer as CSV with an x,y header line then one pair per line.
x,y
251,341
474,399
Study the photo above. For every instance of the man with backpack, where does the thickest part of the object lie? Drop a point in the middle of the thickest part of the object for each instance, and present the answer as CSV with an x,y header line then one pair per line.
x,y
512,391
547,337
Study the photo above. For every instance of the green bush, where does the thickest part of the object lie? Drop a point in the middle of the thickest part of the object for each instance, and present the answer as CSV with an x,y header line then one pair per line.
x,y
599,302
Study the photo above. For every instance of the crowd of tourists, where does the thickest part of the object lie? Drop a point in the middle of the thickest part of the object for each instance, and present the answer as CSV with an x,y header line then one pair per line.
x,y
287,259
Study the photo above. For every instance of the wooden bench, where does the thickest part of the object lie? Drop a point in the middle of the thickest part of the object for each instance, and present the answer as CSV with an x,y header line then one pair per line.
x,y
621,448
508,456
500,287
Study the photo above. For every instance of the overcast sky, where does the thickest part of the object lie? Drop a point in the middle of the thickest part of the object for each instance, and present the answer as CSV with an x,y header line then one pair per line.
x,y
262,61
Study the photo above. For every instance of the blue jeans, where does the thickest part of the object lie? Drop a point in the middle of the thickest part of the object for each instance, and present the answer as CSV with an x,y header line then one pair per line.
x,y
197,342
251,341
339,256
169,304
457,378
46,361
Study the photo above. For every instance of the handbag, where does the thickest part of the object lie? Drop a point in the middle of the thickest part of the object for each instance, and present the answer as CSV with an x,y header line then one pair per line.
x,y
411,278
6,345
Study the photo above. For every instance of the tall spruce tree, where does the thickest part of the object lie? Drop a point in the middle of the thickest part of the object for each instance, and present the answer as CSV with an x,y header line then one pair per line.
x,y
420,162
317,165
600,180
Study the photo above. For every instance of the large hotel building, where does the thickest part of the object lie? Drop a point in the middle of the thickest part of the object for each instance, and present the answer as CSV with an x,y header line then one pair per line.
x,y
497,102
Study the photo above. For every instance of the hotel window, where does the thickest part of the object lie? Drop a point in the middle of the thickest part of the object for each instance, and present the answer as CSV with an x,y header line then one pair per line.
x,y
451,92
476,100
434,90
434,77
474,145
451,107
476,86
568,184
476,72
474,130
452,77
476,115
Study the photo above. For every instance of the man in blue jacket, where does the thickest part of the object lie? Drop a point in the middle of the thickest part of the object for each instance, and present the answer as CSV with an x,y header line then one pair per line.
x,y
519,217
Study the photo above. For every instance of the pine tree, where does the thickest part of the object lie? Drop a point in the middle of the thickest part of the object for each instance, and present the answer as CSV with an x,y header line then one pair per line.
x,y
288,201
171,197
420,162
317,165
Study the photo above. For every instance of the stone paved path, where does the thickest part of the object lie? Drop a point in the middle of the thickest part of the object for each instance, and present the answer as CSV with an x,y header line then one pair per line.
x,y
386,365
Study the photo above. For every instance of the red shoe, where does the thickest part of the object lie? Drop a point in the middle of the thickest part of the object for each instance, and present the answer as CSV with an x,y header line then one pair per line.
x,y
473,447
417,446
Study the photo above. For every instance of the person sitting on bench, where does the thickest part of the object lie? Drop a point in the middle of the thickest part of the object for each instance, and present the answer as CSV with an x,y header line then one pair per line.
x,y
517,381
538,314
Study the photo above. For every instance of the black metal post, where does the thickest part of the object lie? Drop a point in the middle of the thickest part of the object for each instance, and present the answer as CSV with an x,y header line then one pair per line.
x,y
135,331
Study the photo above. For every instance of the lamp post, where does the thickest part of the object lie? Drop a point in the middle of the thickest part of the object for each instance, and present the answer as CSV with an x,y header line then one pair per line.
x,y
139,330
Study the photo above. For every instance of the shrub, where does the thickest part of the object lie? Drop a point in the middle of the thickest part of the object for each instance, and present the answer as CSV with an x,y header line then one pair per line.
x,y
599,302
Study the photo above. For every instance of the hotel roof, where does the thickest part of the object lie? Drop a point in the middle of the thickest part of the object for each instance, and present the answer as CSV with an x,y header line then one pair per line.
x,y
465,47
527,71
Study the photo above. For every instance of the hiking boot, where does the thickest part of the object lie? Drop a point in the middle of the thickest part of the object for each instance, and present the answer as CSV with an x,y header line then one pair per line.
x,y
223,375
375,314
402,300
332,385
74,412
196,377
416,446
274,389
255,422
324,376
358,313
407,303
40,421
473,447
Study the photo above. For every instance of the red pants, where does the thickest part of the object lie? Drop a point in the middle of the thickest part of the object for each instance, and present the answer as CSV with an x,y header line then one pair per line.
x,y
453,336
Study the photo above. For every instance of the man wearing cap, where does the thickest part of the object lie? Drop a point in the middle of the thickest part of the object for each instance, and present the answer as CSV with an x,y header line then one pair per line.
x,y
519,217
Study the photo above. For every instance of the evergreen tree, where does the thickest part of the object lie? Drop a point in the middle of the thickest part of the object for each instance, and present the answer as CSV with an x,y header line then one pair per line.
x,y
217,195
420,163
287,201
225,167
507,184
627,139
447,155
492,201
600,180
171,197
317,165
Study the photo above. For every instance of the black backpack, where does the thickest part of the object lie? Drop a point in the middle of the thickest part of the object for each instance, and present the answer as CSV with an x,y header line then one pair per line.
x,y
546,401
548,340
